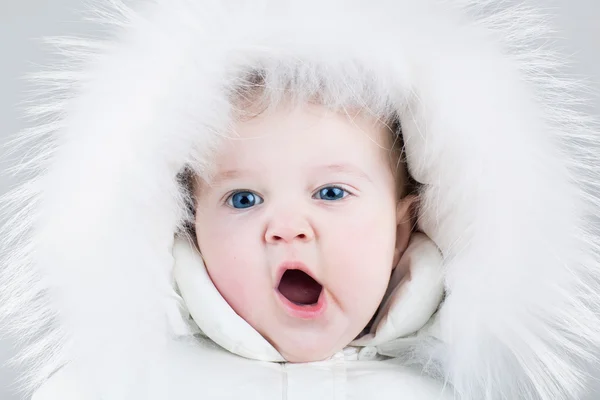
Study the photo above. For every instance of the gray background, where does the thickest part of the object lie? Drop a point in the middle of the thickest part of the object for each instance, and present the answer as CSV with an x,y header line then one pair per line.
x,y
23,21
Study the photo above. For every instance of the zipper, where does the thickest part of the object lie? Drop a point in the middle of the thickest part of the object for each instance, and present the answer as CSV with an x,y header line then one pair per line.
x,y
340,376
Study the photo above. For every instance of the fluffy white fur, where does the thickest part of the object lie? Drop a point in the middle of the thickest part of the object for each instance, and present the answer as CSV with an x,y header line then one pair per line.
x,y
509,171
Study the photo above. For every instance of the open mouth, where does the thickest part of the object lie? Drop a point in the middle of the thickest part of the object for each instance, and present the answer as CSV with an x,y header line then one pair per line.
x,y
300,288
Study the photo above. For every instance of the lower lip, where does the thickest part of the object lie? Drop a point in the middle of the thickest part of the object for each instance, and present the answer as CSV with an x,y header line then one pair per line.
x,y
308,312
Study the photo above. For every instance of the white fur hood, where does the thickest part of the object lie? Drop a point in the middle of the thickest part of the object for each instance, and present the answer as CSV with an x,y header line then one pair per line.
x,y
508,172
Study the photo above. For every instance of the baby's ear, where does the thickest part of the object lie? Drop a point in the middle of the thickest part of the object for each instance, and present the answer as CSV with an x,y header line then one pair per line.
x,y
405,221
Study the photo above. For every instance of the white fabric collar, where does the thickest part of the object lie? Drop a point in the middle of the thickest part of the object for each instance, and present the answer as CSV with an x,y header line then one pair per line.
x,y
408,304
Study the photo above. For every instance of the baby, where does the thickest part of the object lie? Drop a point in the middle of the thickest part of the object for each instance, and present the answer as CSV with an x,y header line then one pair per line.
x,y
301,222
304,275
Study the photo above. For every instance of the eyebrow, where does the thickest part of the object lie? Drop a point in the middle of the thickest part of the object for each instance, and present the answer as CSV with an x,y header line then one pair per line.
x,y
348,169
224,176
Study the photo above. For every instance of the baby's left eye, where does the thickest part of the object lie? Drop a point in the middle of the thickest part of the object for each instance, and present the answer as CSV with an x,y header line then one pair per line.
x,y
331,193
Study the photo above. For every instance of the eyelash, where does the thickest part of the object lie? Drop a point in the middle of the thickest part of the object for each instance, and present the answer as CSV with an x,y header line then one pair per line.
x,y
233,193
229,195
335,187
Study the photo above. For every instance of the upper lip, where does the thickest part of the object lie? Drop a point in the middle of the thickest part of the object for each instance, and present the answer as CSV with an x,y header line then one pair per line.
x,y
287,265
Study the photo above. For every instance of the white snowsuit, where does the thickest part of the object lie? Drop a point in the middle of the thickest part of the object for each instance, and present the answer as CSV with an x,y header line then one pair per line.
x,y
248,367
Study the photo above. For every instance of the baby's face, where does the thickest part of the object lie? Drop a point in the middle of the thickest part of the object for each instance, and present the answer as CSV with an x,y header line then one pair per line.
x,y
303,190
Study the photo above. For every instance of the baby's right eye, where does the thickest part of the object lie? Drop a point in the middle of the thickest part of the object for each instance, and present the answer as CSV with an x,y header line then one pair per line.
x,y
243,199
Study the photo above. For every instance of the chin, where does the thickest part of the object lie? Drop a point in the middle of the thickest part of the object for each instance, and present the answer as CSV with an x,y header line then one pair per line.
x,y
306,357
305,351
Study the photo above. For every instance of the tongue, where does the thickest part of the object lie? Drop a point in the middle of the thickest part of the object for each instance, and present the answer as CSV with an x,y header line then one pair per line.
x,y
299,288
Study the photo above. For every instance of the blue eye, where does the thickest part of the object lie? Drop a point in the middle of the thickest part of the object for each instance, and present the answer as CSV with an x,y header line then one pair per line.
x,y
244,199
331,193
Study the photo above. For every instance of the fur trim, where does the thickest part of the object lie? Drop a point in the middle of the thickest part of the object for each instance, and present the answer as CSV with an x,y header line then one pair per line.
x,y
510,172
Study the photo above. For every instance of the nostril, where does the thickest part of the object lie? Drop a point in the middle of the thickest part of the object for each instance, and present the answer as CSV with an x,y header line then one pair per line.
x,y
271,237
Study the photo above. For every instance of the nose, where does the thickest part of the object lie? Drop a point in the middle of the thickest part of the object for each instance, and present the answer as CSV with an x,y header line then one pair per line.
x,y
287,228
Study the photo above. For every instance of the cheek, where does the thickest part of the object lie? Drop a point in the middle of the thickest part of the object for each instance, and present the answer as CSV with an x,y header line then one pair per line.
x,y
361,249
231,259
364,235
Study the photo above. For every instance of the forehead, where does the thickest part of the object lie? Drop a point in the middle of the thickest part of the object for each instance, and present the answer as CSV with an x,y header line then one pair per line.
x,y
305,133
